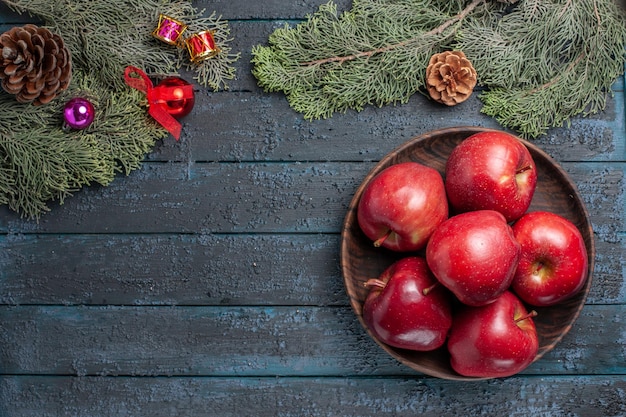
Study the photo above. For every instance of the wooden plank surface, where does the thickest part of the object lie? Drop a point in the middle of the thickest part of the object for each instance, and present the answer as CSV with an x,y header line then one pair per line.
x,y
207,283
250,341
170,269
247,197
297,397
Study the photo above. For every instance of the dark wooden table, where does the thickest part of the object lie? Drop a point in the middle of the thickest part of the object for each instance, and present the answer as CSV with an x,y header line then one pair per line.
x,y
207,283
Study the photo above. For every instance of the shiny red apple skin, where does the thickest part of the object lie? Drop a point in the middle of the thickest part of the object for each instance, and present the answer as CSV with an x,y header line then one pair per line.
x,y
554,261
487,342
400,315
474,255
491,171
402,205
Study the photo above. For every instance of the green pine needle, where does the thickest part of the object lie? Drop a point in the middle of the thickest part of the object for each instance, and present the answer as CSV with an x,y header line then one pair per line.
x,y
539,62
105,35
374,54
546,62
41,162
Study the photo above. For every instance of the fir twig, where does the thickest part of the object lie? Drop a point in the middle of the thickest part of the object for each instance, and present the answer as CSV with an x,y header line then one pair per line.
x,y
408,42
547,62
39,160
404,32
539,62
217,71
105,36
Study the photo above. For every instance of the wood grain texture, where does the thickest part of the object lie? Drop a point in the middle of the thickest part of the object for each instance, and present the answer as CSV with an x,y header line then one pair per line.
x,y
268,269
249,341
302,197
191,270
172,269
208,199
312,397
267,129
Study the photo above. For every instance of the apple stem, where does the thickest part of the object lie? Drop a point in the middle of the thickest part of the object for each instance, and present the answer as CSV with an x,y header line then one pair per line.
x,y
374,282
427,290
378,242
533,313
524,169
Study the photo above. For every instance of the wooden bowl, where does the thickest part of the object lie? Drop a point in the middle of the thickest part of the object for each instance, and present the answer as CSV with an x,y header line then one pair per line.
x,y
360,260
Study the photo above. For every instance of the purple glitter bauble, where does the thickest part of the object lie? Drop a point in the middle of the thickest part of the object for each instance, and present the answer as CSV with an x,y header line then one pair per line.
x,y
78,113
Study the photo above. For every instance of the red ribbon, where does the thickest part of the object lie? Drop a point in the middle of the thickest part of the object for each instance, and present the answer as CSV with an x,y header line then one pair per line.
x,y
156,96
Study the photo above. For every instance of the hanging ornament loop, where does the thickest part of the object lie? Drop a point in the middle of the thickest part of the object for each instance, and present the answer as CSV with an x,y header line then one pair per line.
x,y
156,96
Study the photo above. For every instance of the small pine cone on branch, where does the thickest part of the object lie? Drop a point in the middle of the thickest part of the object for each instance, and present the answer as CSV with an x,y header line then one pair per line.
x,y
35,64
450,77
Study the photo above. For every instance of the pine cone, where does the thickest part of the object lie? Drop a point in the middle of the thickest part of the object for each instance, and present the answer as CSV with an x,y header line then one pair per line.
x,y
35,64
450,77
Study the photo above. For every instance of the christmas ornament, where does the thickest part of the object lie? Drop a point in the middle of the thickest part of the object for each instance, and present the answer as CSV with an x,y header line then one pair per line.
x,y
175,95
169,30
78,113
201,46
162,100
42,163
450,77
35,65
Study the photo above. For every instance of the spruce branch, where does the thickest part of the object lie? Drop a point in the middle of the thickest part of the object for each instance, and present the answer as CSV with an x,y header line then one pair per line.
x,y
408,42
539,62
335,62
556,79
548,62
107,36
217,71
41,162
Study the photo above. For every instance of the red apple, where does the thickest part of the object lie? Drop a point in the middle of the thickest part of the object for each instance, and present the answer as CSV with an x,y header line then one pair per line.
x,y
474,255
493,341
553,265
491,171
402,206
404,310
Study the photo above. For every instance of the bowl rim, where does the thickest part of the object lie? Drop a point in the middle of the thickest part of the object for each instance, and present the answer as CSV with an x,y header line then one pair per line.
x,y
391,159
